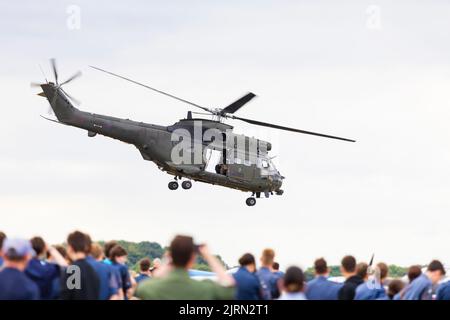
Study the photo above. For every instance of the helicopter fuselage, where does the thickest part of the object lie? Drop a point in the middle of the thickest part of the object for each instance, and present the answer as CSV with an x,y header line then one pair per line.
x,y
195,149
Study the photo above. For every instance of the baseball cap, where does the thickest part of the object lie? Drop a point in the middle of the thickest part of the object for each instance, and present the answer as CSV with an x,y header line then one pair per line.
x,y
16,248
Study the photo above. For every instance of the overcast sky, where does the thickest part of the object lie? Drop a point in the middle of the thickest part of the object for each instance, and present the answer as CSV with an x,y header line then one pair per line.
x,y
374,71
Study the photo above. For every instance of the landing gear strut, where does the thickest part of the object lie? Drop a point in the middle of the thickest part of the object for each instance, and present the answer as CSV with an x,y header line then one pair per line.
x,y
173,185
250,201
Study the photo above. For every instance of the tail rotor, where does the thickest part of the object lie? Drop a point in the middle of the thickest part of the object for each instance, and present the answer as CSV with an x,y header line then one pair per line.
x,y
57,85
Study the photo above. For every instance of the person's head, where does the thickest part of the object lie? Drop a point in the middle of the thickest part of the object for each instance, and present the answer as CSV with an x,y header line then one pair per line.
x,y
97,251
395,286
63,252
248,261
39,246
276,266
108,247
183,252
293,280
144,265
361,270
267,258
384,270
17,253
78,245
414,272
435,271
2,238
118,254
156,263
321,267
348,266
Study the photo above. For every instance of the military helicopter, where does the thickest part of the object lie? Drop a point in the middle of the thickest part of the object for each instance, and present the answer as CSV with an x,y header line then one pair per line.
x,y
226,159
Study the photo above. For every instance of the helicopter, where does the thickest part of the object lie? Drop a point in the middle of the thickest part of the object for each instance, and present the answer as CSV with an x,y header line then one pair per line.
x,y
192,149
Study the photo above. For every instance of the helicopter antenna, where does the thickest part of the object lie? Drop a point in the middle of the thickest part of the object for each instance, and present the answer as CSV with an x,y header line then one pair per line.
x,y
371,260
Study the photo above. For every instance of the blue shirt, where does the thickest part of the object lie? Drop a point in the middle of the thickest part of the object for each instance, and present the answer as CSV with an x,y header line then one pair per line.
x,y
443,291
370,290
419,289
320,288
115,272
248,286
108,282
141,277
125,281
279,274
268,282
15,285
44,274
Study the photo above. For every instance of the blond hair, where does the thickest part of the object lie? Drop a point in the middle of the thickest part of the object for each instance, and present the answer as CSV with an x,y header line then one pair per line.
x,y
268,255
96,251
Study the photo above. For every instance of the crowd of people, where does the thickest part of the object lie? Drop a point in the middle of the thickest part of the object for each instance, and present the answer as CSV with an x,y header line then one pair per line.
x,y
85,270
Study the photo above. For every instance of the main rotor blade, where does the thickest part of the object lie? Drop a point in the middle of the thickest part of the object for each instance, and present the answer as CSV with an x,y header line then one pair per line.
x,y
270,125
76,75
55,71
156,90
235,106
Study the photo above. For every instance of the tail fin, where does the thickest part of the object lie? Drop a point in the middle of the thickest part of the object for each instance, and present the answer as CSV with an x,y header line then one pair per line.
x,y
59,102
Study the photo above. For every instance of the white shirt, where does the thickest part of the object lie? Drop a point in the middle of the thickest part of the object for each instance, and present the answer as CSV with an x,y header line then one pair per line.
x,y
292,296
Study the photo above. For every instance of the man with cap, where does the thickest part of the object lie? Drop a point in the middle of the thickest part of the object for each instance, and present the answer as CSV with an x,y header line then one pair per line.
x,y
14,284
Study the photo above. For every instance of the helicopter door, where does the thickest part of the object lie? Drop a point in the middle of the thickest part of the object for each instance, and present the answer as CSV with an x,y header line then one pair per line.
x,y
213,158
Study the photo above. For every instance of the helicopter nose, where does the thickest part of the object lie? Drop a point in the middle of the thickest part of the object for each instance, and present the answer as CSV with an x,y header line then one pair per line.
x,y
277,182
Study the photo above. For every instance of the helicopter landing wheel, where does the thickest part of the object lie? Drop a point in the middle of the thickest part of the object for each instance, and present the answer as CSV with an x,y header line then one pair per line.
x,y
250,201
186,185
173,185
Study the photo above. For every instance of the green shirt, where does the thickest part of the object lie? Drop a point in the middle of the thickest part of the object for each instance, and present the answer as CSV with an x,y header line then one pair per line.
x,y
178,286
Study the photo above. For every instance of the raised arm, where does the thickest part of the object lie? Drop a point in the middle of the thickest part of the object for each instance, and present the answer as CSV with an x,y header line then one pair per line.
x,y
223,277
